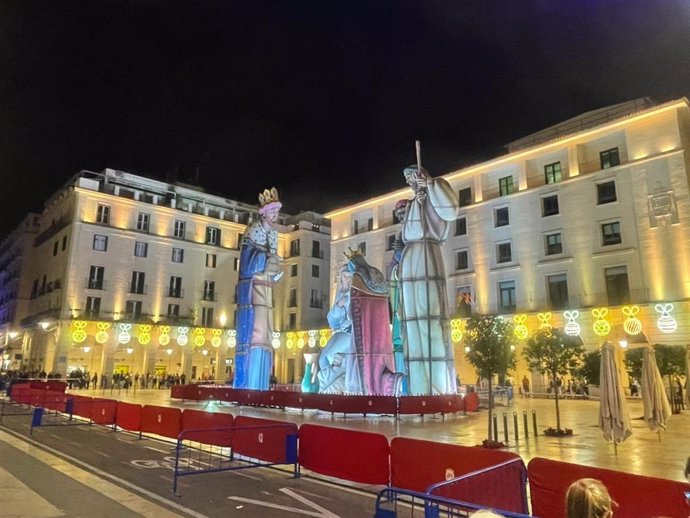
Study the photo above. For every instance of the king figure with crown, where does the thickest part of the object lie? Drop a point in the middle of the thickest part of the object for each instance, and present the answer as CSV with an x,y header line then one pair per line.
x,y
259,271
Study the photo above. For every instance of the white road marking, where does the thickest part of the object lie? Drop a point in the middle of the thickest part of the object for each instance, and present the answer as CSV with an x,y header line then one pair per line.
x,y
319,512
103,454
156,449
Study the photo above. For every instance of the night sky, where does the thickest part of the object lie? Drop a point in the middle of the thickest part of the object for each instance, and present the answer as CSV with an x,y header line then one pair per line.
x,y
321,99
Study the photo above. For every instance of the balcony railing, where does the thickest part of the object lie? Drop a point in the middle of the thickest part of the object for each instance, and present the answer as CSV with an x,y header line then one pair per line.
x,y
176,293
94,284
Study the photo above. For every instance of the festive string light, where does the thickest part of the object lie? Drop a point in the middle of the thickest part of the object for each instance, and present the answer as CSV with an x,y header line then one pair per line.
x,y
144,334
232,338
601,325
215,340
544,320
102,334
572,328
300,339
323,340
520,329
78,331
312,338
124,337
275,342
164,336
182,338
290,342
199,336
631,325
456,326
666,323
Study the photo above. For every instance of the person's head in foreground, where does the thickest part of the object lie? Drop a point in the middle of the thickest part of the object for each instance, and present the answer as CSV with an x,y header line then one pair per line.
x,y
485,513
588,498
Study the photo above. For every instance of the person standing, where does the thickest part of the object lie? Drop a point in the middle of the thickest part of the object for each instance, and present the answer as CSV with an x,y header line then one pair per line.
x,y
259,271
422,278
525,386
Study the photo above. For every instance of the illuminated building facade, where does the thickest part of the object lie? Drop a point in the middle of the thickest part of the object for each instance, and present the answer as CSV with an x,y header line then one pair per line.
x,y
130,274
584,225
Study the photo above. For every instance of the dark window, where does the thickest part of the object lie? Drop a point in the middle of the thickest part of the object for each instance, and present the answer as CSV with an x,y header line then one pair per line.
x,y
55,248
506,296
390,241
552,172
315,299
505,185
606,192
207,317
611,233
100,243
96,274
617,287
553,244
463,302
173,310
140,249
143,222
210,260
103,214
175,287
370,224
177,255
362,248
461,226
209,290
236,264
501,217
212,236
93,307
292,302
137,284
504,254
64,243
179,231
294,248
609,158
316,249
132,310
293,270
465,197
292,324
461,260
314,270
558,291
549,205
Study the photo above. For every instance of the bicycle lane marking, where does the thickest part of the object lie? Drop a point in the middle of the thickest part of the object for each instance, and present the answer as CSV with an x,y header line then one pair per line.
x,y
320,512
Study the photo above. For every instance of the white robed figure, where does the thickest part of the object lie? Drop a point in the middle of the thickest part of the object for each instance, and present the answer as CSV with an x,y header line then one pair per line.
x,y
426,224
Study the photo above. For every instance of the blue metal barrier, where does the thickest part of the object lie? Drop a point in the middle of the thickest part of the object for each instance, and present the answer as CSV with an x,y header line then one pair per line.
x,y
395,503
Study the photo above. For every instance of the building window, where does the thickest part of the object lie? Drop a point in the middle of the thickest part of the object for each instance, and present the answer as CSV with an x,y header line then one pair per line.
x,y
64,243
558,291
314,270
370,224
55,248
137,284
100,243
93,307
209,290
294,248
505,186
316,249
606,192
210,260
180,228
362,247
617,288
553,244
610,158
173,310
236,264
175,287
293,270
611,233
463,301
292,321
212,236
461,226
315,299
549,205
552,172
292,302
140,249
461,260
506,296
133,310
103,214
465,197
501,217
96,275
143,222
503,253
177,255
207,317
239,240
390,242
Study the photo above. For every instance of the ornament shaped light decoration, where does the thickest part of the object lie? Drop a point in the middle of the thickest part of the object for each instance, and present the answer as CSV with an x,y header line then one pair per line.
x,y
572,328
182,338
312,338
601,325
544,320
631,325
164,336
300,339
79,331
275,342
130,350
144,334
215,340
199,338
323,340
102,333
290,342
456,328
666,323
124,337
232,338
520,329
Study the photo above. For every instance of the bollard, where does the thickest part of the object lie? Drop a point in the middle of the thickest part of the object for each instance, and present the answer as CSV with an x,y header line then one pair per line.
x,y
515,425
495,428
505,427
524,421
534,422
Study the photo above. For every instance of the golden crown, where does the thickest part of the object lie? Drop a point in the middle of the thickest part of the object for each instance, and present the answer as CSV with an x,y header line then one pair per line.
x,y
350,253
267,197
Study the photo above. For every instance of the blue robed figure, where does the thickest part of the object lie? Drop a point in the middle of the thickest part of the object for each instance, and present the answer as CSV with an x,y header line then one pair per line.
x,y
259,271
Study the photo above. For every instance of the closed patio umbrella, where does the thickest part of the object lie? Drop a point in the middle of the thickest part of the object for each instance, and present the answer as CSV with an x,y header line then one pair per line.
x,y
654,400
614,419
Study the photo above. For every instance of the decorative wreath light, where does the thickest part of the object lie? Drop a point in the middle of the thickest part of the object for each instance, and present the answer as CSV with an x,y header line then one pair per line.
x,y
199,338
79,331
544,320
216,340
323,340
182,338
124,337
164,336
102,334
632,325
601,325
144,334
275,342
312,338
520,329
232,338
572,328
666,323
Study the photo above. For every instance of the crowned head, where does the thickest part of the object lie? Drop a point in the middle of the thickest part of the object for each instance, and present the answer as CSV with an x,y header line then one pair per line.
x,y
269,202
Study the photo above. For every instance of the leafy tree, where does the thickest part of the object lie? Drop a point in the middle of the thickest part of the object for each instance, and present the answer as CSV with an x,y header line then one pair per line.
x,y
489,339
556,354
633,362
671,362
590,370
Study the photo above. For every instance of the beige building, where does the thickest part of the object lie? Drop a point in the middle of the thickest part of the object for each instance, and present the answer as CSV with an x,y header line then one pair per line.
x,y
130,274
584,225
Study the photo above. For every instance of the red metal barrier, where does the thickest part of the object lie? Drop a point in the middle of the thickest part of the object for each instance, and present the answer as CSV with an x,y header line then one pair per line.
x,y
200,420
273,398
56,386
21,393
265,440
103,411
345,454
421,405
637,496
82,406
227,393
179,392
471,402
417,464
128,416
358,404
49,400
161,420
